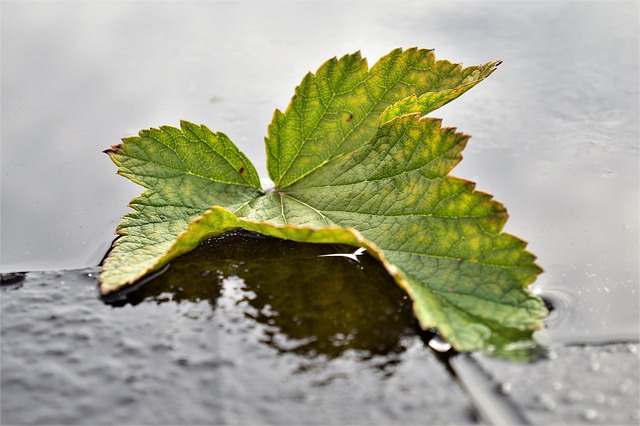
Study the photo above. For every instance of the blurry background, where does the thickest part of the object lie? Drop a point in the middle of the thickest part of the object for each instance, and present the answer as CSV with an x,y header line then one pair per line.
x,y
555,129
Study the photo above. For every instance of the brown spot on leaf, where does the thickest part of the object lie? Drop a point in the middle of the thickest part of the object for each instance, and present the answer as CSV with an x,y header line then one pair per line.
x,y
350,118
241,171
113,150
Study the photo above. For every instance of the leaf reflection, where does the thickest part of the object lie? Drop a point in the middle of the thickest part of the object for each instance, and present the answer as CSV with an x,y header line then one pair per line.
x,y
309,303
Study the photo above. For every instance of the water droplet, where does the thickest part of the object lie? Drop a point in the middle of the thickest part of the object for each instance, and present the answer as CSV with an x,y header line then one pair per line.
x,y
589,414
438,344
505,388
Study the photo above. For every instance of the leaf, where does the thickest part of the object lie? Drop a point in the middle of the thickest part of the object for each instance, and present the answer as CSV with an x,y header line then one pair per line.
x,y
186,171
338,109
355,162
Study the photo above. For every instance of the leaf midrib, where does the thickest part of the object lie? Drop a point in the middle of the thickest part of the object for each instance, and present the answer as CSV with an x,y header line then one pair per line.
x,y
182,171
187,171
316,124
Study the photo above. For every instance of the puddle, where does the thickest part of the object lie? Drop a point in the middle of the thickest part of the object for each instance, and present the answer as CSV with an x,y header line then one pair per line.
x,y
251,329
310,299
221,347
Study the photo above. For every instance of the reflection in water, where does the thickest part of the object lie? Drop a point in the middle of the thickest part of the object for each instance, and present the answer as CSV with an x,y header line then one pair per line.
x,y
307,302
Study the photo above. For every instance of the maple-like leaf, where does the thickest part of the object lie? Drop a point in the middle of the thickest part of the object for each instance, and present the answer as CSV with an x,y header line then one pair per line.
x,y
354,161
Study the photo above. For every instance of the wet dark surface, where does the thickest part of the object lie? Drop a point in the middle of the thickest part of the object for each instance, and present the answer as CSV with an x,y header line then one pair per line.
x,y
251,329
574,385
322,340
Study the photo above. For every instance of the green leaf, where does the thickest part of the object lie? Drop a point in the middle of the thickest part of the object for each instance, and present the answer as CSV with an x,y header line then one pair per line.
x,y
354,162
337,109
186,171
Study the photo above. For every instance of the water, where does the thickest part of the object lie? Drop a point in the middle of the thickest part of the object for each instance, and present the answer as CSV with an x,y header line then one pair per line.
x,y
226,346
305,298
555,129
249,329
580,385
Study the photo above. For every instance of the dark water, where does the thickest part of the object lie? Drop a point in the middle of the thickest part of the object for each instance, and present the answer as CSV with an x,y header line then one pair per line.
x,y
248,329
308,297
245,329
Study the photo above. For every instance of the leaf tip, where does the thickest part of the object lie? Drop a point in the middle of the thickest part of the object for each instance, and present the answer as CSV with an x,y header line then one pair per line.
x,y
114,149
188,125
